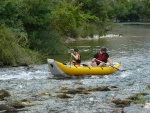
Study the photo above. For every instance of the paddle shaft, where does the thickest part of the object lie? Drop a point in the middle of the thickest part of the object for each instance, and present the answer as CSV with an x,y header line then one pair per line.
x,y
71,62
70,59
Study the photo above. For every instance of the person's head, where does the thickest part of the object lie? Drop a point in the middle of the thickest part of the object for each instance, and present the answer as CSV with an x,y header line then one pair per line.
x,y
103,50
76,50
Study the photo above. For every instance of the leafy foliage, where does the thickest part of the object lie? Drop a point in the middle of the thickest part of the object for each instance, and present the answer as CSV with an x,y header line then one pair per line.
x,y
47,42
11,52
42,25
133,10
67,18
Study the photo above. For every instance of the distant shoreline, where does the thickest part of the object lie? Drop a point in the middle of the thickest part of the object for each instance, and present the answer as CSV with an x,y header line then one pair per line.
x,y
95,37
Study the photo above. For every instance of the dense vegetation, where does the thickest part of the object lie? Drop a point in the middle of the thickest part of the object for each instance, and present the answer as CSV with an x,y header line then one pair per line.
x,y
31,29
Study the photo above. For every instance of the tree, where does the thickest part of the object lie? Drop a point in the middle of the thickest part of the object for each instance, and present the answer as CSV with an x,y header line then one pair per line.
x,y
11,52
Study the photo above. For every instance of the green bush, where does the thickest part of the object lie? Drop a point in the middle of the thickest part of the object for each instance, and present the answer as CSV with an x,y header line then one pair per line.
x,y
11,53
47,42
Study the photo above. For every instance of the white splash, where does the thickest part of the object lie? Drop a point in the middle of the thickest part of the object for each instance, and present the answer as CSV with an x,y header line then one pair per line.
x,y
26,75
110,36
147,105
125,74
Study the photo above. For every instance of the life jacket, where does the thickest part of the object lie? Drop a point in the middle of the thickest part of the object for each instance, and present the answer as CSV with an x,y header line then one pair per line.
x,y
77,61
101,57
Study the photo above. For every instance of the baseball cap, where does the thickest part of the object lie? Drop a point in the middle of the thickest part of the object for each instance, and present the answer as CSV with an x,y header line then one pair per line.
x,y
103,49
76,50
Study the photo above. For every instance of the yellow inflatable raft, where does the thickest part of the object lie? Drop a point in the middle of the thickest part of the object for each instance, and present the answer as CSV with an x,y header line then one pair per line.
x,y
60,69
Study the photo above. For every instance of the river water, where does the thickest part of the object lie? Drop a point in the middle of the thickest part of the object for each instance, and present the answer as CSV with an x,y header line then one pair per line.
x,y
126,43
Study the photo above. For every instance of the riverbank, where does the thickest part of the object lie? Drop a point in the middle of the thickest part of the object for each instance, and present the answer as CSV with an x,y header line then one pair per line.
x,y
95,37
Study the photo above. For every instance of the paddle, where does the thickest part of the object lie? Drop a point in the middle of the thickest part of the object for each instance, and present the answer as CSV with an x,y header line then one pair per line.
x,y
105,64
70,60
69,66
